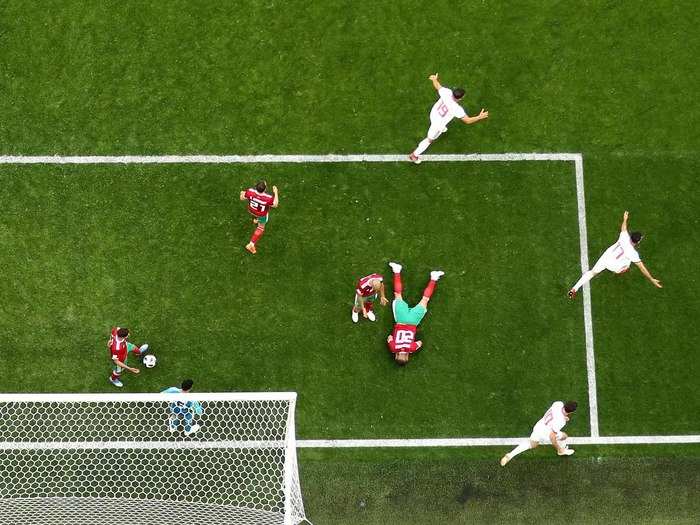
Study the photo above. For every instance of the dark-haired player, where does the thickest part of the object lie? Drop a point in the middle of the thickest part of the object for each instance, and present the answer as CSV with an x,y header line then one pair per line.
x,y
547,431
617,258
444,110
402,341
183,412
120,349
259,204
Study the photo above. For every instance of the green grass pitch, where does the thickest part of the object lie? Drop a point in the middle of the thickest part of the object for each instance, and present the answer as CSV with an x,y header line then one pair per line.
x,y
160,248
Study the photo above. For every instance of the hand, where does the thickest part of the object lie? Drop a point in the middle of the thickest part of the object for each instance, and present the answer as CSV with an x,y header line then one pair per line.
x,y
274,189
134,370
483,114
433,77
383,301
625,215
656,283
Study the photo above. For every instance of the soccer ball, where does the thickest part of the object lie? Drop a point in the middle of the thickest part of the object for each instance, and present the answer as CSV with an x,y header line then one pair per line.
x,y
149,361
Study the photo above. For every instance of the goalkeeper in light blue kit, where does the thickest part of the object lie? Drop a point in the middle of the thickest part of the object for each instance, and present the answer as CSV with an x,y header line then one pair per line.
x,y
183,411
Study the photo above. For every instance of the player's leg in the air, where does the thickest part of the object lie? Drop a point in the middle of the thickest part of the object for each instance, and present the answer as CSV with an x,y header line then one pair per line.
x,y
257,233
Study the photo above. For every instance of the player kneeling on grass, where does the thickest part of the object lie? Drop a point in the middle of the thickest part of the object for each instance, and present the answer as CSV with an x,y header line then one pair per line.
x,y
259,204
402,341
183,412
444,110
617,258
120,349
548,430
366,293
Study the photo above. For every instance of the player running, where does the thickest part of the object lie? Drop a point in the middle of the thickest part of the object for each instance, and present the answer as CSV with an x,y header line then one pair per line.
x,y
120,349
183,411
617,258
402,341
547,430
259,204
366,293
444,110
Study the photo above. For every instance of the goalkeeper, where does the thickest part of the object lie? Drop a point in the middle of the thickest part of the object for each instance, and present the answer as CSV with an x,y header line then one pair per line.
x,y
183,411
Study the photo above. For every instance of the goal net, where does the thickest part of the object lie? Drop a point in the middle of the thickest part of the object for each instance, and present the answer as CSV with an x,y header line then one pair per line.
x,y
132,459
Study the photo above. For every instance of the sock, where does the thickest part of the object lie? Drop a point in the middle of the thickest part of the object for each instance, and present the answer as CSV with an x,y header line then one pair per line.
x,y
114,376
368,306
428,292
397,283
422,146
584,279
525,445
256,235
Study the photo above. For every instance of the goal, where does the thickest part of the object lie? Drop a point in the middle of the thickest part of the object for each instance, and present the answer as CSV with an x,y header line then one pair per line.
x,y
142,459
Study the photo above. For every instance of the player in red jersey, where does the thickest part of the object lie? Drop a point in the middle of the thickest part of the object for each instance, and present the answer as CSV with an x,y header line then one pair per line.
x,y
402,341
366,293
259,204
120,349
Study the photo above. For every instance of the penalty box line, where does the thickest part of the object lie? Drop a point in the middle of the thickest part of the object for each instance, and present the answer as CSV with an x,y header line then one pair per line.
x,y
576,158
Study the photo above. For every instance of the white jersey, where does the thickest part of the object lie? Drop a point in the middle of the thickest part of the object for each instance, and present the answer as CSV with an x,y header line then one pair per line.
x,y
618,257
554,419
445,109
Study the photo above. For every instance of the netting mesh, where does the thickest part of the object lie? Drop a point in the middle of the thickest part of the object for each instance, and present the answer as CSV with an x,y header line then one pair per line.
x,y
208,459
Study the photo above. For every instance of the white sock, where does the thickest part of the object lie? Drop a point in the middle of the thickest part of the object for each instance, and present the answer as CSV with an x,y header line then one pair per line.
x,y
584,279
525,445
422,146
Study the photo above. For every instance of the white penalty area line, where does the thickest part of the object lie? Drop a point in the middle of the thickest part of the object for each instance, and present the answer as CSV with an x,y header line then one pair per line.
x,y
491,442
576,158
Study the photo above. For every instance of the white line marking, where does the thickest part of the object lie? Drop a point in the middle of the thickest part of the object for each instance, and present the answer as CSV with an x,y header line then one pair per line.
x,y
486,157
257,159
489,442
587,316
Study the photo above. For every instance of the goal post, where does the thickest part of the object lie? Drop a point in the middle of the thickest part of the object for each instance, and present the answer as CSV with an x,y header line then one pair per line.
x,y
118,459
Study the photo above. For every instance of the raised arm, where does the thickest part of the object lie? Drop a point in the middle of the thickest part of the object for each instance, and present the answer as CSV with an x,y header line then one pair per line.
x,y
434,80
243,195
277,197
471,120
646,273
625,216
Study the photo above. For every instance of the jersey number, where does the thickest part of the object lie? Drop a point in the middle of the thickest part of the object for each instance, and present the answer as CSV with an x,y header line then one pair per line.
x,y
442,109
548,417
618,247
404,336
257,205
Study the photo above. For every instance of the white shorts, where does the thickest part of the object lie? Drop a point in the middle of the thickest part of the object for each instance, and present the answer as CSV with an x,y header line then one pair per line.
x,y
609,262
435,130
540,434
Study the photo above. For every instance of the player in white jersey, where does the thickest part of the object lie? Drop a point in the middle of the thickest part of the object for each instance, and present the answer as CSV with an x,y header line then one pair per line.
x,y
444,110
617,258
547,430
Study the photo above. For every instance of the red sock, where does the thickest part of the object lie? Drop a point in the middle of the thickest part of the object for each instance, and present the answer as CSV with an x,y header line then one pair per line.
x,y
397,283
368,306
428,292
115,376
257,234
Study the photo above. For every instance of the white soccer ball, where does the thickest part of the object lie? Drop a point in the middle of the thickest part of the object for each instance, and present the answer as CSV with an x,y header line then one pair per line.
x,y
149,361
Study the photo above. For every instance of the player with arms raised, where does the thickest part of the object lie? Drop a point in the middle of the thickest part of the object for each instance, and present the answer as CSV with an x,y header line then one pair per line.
x,y
120,349
548,431
366,293
617,258
402,341
444,110
259,204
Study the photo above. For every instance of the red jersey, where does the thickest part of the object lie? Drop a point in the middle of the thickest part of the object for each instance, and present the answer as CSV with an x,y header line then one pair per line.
x,y
404,338
364,289
117,348
258,203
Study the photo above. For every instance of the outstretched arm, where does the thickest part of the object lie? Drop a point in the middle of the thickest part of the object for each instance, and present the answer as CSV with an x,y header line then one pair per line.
x,y
243,196
277,197
382,296
471,120
125,366
625,216
434,80
648,275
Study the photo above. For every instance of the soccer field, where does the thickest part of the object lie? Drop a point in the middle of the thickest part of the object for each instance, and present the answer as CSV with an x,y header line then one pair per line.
x,y
158,247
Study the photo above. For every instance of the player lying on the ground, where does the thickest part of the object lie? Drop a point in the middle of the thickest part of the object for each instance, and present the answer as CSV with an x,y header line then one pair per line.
x,y
120,349
366,293
547,430
402,341
444,110
183,411
259,204
617,258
